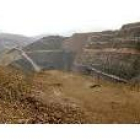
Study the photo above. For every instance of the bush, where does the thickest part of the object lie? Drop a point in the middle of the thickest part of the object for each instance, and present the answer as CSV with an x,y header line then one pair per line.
x,y
12,84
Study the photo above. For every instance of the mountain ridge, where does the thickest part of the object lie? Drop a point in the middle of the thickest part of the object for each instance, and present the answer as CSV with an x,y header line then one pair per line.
x,y
116,52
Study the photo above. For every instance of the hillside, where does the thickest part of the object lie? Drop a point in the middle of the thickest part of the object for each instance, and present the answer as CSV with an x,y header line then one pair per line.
x,y
12,40
47,53
46,43
62,97
115,53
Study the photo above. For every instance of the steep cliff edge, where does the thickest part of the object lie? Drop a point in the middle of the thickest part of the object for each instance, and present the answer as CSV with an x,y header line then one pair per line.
x,y
114,52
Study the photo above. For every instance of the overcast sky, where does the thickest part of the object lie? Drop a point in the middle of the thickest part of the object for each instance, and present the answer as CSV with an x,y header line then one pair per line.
x,y
33,17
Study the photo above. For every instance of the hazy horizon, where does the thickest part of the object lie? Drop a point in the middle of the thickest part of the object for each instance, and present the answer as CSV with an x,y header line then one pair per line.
x,y
61,17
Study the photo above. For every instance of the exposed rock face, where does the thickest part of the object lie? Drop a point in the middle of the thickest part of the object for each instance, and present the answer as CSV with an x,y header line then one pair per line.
x,y
76,42
117,53
130,30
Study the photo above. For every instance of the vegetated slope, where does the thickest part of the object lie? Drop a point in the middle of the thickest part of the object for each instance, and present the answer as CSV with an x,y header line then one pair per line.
x,y
23,102
47,53
12,40
46,43
61,97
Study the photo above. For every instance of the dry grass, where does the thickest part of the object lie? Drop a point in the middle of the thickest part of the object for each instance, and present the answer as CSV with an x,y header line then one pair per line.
x,y
108,102
61,97
21,102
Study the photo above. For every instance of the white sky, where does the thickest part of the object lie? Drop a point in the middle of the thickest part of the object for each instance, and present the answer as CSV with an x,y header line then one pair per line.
x,y
33,17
